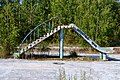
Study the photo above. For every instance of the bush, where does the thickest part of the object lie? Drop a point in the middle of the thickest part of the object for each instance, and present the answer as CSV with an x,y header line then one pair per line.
x,y
4,53
73,54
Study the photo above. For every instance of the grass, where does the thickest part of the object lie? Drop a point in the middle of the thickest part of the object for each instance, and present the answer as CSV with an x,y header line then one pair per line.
x,y
64,76
83,75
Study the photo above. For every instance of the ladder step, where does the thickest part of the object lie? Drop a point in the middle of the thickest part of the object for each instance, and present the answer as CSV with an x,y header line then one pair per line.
x,y
22,50
42,38
66,27
62,26
38,40
34,42
58,27
55,30
48,34
44,35
69,26
29,44
51,33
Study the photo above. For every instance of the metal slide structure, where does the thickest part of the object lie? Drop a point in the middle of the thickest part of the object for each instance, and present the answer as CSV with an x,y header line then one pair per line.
x,y
91,42
37,41
52,30
34,37
103,51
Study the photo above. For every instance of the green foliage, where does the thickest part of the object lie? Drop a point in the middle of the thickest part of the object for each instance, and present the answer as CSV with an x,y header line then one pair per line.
x,y
99,19
115,30
95,18
8,29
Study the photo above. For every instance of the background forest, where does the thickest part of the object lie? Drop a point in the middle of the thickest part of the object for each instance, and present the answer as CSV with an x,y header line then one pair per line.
x,y
99,19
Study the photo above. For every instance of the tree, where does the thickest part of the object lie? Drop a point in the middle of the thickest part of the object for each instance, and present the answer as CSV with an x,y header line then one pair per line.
x,y
8,30
95,18
114,32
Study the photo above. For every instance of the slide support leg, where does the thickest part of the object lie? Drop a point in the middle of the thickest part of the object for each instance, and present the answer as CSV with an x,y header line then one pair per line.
x,y
61,51
103,56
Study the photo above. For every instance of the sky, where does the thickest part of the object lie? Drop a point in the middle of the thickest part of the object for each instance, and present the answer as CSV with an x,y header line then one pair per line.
x,y
119,0
20,1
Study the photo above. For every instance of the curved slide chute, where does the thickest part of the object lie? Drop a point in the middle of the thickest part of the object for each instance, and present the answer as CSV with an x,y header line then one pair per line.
x,y
91,42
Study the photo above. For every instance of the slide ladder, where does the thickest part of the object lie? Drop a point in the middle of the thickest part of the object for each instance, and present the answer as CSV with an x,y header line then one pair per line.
x,y
37,41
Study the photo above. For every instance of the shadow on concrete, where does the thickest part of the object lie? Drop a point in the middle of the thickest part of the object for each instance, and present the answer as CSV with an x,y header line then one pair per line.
x,y
72,54
109,58
97,57
69,56
42,56
112,59
66,56
58,63
91,56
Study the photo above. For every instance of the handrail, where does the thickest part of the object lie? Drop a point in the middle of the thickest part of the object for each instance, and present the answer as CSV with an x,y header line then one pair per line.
x,y
35,29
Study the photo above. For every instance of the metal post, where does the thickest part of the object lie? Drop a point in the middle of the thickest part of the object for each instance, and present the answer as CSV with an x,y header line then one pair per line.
x,y
49,27
103,56
52,25
38,33
30,38
61,51
34,35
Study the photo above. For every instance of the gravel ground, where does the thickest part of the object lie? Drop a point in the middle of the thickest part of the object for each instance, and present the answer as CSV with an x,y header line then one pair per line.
x,y
16,69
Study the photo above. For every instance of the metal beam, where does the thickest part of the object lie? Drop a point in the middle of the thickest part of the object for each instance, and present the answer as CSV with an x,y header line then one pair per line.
x,y
61,51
